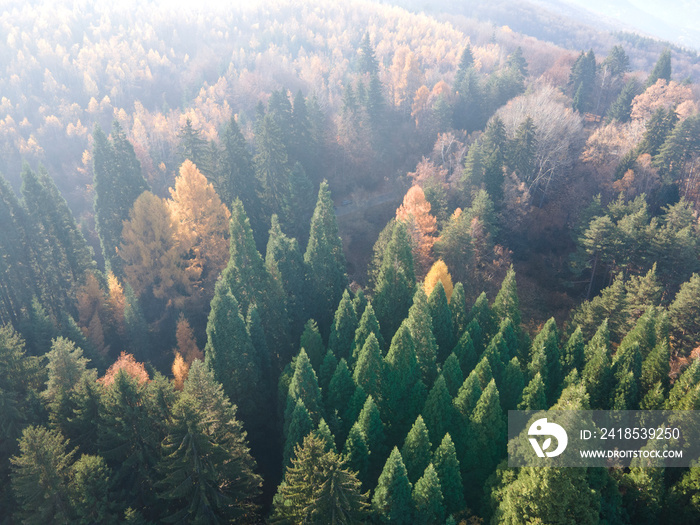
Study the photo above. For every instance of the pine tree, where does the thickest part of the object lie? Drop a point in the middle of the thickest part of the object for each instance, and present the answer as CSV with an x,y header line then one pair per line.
x,y
369,369
118,183
512,385
416,450
428,499
392,497
368,325
546,358
662,69
207,471
438,411
465,351
312,343
371,424
340,392
597,374
300,425
506,304
90,486
304,387
448,471
442,321
395,282
40,476
458,307
572,355
489,426
343,328
356,453
420,324
324,261
484,317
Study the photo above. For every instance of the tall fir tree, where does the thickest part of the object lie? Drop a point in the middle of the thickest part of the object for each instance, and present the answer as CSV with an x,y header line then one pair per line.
x,y
304,387
356,453
392,498
343,328
372,426
368,325
452,372
420,324
324,260
312,343
340,392
416,450
428,500
448,471
438,411
442,321
662,69
369,369
458,307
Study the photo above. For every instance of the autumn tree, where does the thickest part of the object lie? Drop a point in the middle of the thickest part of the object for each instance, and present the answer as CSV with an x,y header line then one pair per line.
x,y
421,225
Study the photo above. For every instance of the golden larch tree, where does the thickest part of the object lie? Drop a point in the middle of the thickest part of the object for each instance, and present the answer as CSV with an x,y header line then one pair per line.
x,y
130,365
153,259
200,223
186,343
422,226
438,272
180,371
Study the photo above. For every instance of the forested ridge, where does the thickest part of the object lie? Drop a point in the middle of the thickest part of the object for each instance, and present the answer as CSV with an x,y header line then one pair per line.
x,y
294,263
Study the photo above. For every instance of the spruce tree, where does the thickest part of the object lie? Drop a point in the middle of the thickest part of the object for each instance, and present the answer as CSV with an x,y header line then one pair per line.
x,y
442,321
323,432
464,350
343,328
534,397
395,282
512,385
506,304
597,373
300,425
371,424
368,324
325,373
298,204
448,471
272,163
428,501
312,343
488,423
420,325
90,486
325,262
662,69
193,146
485,319
458,307
416,450
340,392
368,370
356,453
304,387
392,497
572,354
545,358
207,471
452,373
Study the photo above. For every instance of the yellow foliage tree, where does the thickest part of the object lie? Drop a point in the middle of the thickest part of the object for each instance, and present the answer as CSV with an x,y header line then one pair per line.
x,y
200,227
438,272
180,371
186,344
153,260
422,226
116,301
92,309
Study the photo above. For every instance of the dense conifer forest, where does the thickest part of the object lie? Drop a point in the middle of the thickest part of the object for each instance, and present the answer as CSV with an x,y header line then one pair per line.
x,y
294,262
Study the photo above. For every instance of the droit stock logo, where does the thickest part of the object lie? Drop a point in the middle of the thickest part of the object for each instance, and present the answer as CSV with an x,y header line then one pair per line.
x,y
542,428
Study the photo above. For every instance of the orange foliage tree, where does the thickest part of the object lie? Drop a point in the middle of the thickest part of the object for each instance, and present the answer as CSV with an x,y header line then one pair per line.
x,y
421,225
129,365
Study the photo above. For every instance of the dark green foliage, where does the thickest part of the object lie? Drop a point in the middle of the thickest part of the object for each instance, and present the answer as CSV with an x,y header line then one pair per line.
x,y
304,387
489,427
356,453
343,328
368,325
448,471
118,183
368,370
438,411
470,110
442,321
582,82
340,391
428,499
465,350
534,397
272,162
402,374
512,385
597,374
207,471
522,149
392,498
485,319
421,326
323,432
546,359
506,305
494,144
621,109
483,372
416,450
318,489
684,314
662,69
328,366
40,476
230,353
285,264
300,425
136,327
298,203
371,424
656,367
324,261
90,487
572,356
359,302
38,328
193,147
468,396
395,281
312,343
458,307
684,393
452,372
367,63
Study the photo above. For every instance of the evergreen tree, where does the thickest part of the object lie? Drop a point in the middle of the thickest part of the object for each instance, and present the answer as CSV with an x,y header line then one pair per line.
x,y
420,324
303,147
597,374
271,164
506,305
452,372
572,355
325,373
448,471
230,354
534,396
662,69
300,425
371,424
319,489
312,343
656,367
324,261
207,470
368,325
392,497
416,450
118,182
40,476
684,313
90,486
367,62
582,81
488,423
304,387
512,385
621,109
395,282
485,319
428,501
438,411
343,328
522,149
442,321
193,147
465,351
546,358
298,203
340,392
368,370
356,453
458,307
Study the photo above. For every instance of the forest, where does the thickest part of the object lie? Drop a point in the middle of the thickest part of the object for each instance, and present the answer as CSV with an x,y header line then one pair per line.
x,y
294,262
